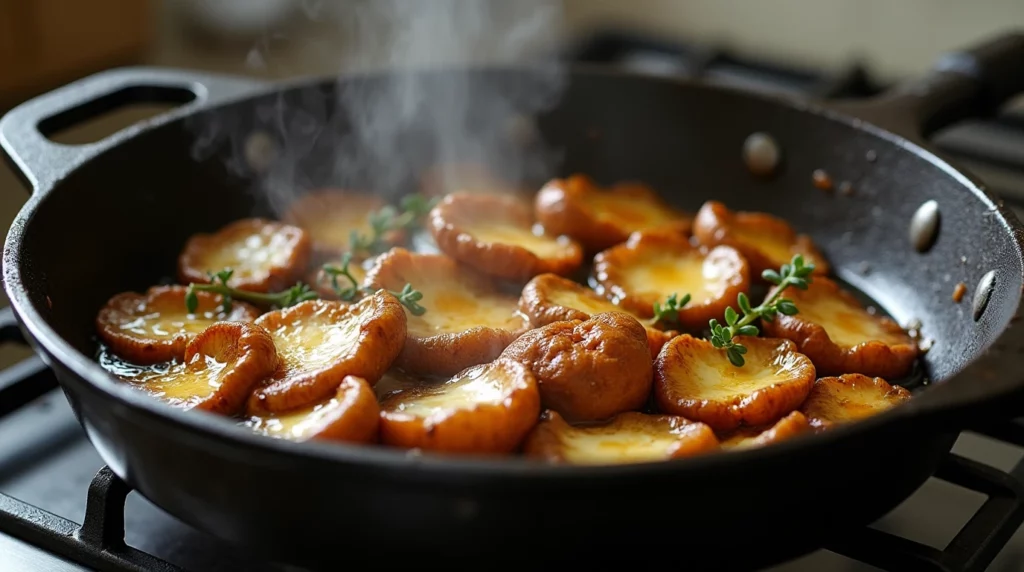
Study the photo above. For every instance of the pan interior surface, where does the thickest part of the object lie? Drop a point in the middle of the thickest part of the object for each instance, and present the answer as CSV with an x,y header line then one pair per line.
x,y
119,222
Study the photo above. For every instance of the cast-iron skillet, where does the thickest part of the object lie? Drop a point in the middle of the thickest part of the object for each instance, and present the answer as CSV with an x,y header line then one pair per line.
x,y
111,216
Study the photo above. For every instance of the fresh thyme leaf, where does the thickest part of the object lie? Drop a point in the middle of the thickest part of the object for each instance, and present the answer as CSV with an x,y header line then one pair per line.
x,y
796,273
219,285
388,219
668,312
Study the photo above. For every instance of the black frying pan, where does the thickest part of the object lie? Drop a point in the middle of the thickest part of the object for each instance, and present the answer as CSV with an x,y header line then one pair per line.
x,y
113,215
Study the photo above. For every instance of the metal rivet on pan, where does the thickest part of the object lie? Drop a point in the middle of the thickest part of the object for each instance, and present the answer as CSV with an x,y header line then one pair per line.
x,y
983,293
871,156
260,151
761,153
521,130
924,226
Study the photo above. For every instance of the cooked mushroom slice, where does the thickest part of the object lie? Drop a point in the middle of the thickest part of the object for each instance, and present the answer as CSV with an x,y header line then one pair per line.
x,y
695,379
627,438
651,266
764,240
468,320
850,397
550,298
331,216
496,236
748,438
601,218
351,415
221,366
264,255
588,370
321,342
487,408
840,336
155,327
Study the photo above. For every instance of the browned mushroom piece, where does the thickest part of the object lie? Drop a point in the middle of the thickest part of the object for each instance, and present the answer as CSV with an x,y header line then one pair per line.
x,y
766,241
651,266
321,342
156,326
468,320
629,437
484,409
264,255
588,370
789,426
496,236
840,336
330,216
549,298
351,415
848,398
600,218
221,366
695,379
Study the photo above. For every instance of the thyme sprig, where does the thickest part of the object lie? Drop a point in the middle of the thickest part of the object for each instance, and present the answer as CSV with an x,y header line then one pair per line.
x,y
796,274
389,219
219,285
408,296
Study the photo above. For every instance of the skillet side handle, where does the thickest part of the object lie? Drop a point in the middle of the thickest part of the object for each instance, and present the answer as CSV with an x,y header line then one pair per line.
x,y
969,83
42,162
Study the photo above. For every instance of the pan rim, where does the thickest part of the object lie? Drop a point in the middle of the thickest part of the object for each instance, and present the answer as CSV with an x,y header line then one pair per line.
x,y
89,375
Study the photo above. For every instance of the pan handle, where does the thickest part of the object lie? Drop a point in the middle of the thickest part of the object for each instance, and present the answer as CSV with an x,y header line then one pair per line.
x,y
42,162
968,83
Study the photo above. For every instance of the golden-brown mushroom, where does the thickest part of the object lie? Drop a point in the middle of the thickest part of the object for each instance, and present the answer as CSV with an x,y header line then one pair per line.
x,y
840,336
156,327
629,437
747,438
321,342
550,298
601,218
221,366
588,370
848,398
351,415
330,216
764,240
264,255
468,320
484,409
496,236
651,266
695,379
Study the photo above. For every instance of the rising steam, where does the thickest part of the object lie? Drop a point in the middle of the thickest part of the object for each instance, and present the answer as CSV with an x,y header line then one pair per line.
x,y
435,108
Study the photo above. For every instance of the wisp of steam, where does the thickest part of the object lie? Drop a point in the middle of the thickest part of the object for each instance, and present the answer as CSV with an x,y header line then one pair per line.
x,y
416,93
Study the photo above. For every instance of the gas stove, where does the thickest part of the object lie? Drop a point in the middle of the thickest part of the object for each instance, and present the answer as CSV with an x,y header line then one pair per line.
x,y
61,509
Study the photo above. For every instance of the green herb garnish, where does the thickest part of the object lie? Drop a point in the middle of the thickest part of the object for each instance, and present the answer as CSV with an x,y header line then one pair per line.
x,y
219,285
407,296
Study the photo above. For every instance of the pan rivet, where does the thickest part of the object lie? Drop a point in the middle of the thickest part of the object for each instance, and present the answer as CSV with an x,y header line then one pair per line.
x,y
983,293
924,226
260,151
761,153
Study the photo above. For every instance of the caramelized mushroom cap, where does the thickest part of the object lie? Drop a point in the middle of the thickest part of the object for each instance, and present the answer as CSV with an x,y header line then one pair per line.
x,y
485,409
651,266
550,298
221,366
601,218
351,415
156,327
848,398
695,379
265,255
789,426
840,336
629,437
468,320
766,241
495,235
588,370
330,216
321,342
